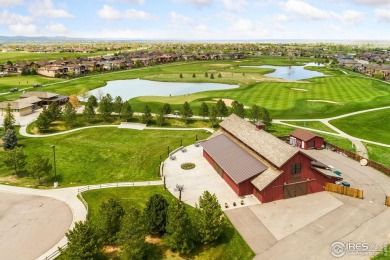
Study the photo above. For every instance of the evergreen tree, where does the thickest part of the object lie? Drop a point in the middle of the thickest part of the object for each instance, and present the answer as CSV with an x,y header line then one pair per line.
x,y
93,100
193,75
10,139
43,121
219,75
186,112
213,116
118,103
203,110
209,218
255,113
83,243
127,111
221,109
9,119
238,109
40,167
167,108
266,117
147,115
181,75
206,75
156,214
105,107
54,111
160,118
179,229
110,216
69,114
89,112
211,76
132,235
15,159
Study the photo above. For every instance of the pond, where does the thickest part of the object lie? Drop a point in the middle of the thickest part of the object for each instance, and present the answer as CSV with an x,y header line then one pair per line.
x,y
131,88
291,72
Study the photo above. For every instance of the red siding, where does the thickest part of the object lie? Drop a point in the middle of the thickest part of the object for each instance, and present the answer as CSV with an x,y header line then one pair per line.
x,y
318,142
231,183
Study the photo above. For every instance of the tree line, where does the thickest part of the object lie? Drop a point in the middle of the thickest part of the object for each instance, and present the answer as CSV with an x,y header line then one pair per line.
x,y
128,228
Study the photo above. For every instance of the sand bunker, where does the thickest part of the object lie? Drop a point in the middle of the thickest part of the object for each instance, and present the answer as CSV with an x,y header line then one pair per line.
x,y
228,102
324,101
299,89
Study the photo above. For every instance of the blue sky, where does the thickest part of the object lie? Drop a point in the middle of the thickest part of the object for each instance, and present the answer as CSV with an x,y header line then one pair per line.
x,y
198,19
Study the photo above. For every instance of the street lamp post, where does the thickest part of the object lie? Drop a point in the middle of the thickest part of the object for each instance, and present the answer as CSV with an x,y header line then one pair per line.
x,y
55,170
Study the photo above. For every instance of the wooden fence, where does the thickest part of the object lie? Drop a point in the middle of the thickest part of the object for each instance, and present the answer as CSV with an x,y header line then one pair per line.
x,y
340,189
387,202
371,163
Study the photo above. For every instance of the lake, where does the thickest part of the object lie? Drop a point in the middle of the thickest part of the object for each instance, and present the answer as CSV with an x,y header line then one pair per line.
x,y
291,72
131,88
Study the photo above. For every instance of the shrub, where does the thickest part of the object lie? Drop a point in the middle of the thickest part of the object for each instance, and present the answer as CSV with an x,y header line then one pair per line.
x,y
187,166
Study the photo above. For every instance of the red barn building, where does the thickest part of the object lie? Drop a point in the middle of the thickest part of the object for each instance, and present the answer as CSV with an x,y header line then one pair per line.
x,y
253,161
305,139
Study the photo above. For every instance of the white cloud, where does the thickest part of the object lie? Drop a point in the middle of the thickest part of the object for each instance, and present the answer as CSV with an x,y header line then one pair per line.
x,y
8,3
201,28
349,16
24,29
373,2
178,18
57,29
243,25
304,9
46,8
383,15
110,13
12,18
140,2
281,18
233,5
198,3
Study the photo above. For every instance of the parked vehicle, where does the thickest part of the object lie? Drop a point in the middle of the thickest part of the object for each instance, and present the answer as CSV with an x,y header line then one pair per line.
x,y
14,90
346,184
37,85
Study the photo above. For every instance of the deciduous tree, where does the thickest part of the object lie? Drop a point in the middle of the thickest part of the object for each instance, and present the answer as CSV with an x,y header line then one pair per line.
x,y
147,115
255,113
117,105
74,100
84,93
15,159
127,111
186,112
203,110
238,109
167,109
221,108
266,118
93,100
105,107
40,167
156,214
89,112
213,116
54,111
209,218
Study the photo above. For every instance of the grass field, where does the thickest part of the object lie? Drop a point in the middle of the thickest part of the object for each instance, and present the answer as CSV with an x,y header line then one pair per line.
x,y
378,153
230,246
373,126
20,82
102,155
284,99
312,124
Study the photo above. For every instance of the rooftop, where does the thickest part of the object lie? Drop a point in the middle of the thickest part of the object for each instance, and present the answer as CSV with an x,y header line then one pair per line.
x,y
302,134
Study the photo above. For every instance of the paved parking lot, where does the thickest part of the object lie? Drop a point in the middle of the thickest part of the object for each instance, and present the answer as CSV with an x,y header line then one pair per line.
x,y
31,225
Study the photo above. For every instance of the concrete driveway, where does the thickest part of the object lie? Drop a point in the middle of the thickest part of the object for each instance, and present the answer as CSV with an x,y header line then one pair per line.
x,y
305,227
31,225
203,177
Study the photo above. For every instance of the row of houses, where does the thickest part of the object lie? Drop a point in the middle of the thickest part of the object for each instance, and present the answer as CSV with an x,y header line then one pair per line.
x,y
28,102
82,66
366,68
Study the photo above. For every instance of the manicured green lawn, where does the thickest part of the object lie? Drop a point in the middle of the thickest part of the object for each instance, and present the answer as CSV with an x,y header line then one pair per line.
x,y
373,126
20,82
102,155
378,153
312,124
230,246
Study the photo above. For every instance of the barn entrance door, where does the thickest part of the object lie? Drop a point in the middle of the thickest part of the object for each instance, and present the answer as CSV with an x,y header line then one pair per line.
x,y
295,190
311,144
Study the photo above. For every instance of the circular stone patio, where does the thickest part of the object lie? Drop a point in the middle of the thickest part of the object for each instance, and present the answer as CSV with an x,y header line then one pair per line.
x,y
31,225
203,177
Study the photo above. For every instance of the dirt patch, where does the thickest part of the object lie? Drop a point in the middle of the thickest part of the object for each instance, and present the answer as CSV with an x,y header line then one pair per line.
x,y
324,101
168,254
111,252
153,240
9,179
299,89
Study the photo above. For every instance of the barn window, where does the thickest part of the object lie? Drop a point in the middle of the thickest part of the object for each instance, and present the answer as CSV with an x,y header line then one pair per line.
x,y
296,168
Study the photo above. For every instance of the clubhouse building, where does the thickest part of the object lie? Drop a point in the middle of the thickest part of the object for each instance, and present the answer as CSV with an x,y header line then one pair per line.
x,y
252,161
